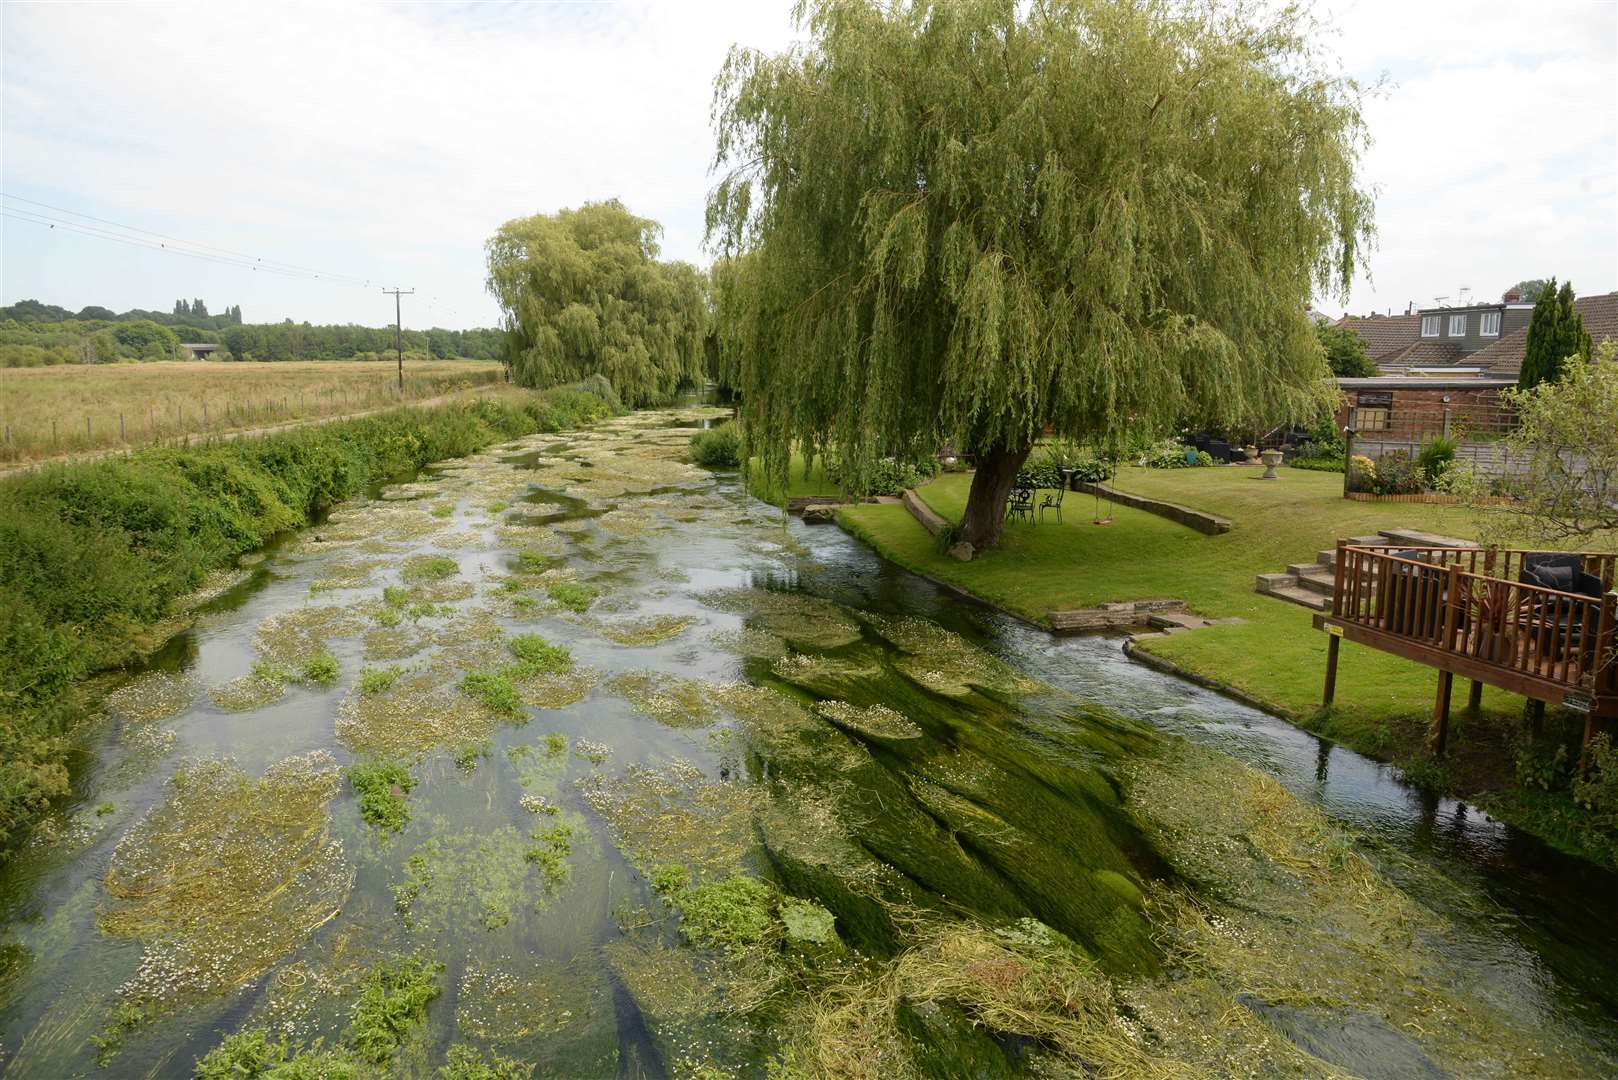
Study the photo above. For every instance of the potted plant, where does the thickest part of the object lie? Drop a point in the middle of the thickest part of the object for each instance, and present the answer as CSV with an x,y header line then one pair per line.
x,y
1251,451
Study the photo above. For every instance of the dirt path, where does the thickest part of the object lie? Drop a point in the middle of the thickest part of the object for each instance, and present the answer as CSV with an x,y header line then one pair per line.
x,y
17,468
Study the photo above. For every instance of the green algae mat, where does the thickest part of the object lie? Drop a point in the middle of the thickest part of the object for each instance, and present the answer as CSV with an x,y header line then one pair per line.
x,y
571,759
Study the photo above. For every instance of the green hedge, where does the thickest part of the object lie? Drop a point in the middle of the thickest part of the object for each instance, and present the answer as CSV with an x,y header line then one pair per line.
x,y
92,555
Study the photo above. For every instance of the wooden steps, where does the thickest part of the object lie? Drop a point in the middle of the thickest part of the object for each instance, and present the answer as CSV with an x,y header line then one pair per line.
x,y
1310,585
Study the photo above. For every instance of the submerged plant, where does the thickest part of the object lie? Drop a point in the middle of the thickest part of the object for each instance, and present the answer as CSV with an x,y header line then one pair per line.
x,y
428,568
321,668
494,689
392,1004
382,787
465,1063
573,595
377,680
536,656
225,877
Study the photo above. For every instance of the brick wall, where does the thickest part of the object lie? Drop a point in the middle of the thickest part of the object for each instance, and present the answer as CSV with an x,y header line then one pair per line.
x,y
1418,413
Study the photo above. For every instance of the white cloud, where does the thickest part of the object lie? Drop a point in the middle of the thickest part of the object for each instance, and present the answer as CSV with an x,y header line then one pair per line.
x,y
388,141
382,141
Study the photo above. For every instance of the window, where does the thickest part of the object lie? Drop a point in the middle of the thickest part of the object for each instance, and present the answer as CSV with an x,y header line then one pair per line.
x,y
1457,326
1429,326
1489,324
1366,419
1374,408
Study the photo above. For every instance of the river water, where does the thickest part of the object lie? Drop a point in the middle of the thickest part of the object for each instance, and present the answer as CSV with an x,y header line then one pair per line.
x,y
983,850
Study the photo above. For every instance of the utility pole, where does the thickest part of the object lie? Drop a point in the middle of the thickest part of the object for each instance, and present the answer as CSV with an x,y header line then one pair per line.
x,y
398,333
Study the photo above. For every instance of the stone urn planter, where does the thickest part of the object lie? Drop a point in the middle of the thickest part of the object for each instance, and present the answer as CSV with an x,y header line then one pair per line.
x,y
1272,458
1251,452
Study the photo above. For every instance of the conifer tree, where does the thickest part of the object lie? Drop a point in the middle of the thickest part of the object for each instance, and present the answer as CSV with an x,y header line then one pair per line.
x,y
1555,333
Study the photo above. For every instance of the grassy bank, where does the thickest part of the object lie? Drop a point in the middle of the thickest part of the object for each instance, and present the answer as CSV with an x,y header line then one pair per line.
x,y
58,410
1273,655
94,556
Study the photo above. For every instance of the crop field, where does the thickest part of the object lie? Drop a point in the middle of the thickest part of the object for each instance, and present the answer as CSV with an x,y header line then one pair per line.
x,y
45,412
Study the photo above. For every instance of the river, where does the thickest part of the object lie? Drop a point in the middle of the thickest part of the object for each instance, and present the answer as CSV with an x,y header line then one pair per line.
x,y
779,806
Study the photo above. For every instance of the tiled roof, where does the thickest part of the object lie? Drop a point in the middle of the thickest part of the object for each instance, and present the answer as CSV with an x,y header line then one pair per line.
x,y
1425,354
1384,334
1504,357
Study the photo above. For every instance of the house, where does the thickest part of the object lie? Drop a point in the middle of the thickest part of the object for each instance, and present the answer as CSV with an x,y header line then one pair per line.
x,y
199,350
1441,371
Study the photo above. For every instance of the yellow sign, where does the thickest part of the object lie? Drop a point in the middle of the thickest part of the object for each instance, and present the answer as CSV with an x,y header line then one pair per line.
x,y
1334,630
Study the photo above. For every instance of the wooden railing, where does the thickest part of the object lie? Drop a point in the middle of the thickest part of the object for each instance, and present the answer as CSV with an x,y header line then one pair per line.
x,y
1469,603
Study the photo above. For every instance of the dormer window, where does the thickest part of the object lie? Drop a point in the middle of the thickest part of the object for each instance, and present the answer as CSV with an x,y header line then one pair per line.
x,y
1489,324
1457,326
1429,326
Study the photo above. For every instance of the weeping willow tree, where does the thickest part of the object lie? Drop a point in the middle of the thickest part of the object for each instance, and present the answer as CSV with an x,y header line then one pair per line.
x,y
981,220
583,293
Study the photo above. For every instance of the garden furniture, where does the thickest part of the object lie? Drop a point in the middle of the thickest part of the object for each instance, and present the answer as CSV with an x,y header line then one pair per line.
x,y
1021,503
1053,501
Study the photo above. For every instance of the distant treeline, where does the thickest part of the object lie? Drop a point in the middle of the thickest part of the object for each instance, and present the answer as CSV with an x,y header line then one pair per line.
x,y
37,335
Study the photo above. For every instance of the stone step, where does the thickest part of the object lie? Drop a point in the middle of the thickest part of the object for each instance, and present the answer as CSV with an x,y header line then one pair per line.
x,y
1267,582
1302,597
1375,540
1420,538
1308,568
1320,581
1327,558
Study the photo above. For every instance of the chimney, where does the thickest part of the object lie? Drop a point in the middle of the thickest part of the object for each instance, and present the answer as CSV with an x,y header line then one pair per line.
x,y
1513,295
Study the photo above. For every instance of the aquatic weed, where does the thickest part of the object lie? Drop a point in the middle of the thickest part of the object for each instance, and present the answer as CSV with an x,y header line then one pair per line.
x,y
573,595
493,689
382,787
321,668
418,568
536,656
392,1004
466,1063
669,699
377,680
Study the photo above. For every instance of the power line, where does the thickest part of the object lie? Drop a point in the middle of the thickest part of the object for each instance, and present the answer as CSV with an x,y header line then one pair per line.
x,y
100,234
252,259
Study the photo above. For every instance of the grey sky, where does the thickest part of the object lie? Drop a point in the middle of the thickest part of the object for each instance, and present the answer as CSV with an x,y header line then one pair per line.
x,y
386,142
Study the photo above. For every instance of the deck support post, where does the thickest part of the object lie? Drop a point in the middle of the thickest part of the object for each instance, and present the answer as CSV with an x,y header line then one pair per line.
x,y
1334,645
1440,732
1474,698
1535,712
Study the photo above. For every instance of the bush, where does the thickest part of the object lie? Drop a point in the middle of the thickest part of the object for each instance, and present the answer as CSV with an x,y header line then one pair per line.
x,y
1396,474
1317,464
1169,454
1597,791
718,447
1361,474
886,476
1437,455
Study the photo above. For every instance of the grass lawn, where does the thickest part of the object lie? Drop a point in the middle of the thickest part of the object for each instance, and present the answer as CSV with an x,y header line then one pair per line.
x,y
801,482
1274,655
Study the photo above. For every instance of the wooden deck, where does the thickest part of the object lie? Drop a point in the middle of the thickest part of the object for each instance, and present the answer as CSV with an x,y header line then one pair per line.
x,y
1465,611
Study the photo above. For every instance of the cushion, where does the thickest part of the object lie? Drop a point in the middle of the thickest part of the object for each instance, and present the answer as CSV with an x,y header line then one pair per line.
x,y
1552,576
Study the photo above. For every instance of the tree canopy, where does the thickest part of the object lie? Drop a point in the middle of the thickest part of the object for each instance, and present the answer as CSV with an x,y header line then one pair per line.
x,y
583,293
1555,333
977,220
1345,352
1529,289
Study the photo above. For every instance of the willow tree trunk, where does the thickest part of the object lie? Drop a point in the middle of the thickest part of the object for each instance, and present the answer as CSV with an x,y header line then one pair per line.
x,y
986,502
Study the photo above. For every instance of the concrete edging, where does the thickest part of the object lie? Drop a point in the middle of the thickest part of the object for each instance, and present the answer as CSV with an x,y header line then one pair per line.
x,y
930,519
1169,667
1203,522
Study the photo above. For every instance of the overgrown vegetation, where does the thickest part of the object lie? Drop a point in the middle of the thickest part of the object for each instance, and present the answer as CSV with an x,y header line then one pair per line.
x,y
95,556
717,447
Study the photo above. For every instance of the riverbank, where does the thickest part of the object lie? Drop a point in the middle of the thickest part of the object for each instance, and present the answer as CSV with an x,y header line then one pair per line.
x,y
1272,657
96,557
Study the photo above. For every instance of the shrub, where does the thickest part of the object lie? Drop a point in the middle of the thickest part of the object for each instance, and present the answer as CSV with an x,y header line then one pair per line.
x,y
1396,474
1169,454
1361,474
717,447
1597,790
887,476
1317,464
1437,455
